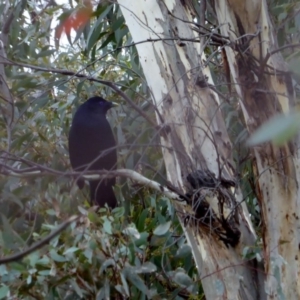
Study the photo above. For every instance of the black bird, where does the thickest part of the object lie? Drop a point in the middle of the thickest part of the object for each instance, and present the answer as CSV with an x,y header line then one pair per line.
x,y
92,147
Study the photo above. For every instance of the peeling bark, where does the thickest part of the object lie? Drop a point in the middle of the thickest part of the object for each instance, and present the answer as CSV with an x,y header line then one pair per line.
x,y
262,95
179,85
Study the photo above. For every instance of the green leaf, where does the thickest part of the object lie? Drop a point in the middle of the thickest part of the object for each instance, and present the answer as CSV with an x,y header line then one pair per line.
x,y
92,215
136,280
95,31
82,211
77,288
29,279
124,284
88,253
79,87
20,267
4,289
71,250
44,272
143,240
183,251
147,267
118,212
43,261
182,279
117,23
109,262
46,53
132,232
142,219
56,257
10,236
24,138
162,228
107,226
33,258
110,38
3,270
93,245
278,129
51,212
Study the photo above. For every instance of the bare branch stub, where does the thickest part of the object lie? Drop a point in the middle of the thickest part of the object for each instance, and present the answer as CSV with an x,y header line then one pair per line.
x,y
214,206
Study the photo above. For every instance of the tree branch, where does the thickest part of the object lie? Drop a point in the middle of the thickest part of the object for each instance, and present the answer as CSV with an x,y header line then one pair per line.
x,y
80,75
39,244
8,108
90,175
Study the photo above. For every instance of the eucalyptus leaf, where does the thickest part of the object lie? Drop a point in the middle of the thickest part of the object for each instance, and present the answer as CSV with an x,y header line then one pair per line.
x,y
132,232
147,267
107,226
143,240
96,31
279,129
137,281
71,250
124,286
184,251
182,279
76,288
4,289
57,257
162,228
108,263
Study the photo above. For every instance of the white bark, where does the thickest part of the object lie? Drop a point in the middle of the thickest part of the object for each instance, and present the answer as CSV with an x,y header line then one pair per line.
x,y
195,128
278,168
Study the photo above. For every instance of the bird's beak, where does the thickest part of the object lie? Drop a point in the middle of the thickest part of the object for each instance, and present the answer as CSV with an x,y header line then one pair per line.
x,y
114,104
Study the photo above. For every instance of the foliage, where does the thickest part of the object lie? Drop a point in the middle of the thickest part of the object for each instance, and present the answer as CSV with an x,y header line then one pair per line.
x,y
139,249
108,254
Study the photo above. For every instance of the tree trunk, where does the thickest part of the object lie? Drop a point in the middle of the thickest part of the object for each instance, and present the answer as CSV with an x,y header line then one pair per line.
x,y
264,89
195,142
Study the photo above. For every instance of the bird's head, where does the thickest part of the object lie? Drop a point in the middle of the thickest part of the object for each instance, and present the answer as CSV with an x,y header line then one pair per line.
x,y
99,105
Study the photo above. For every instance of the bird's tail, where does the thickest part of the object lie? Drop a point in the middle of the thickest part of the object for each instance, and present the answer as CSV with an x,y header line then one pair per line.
x,y
101,192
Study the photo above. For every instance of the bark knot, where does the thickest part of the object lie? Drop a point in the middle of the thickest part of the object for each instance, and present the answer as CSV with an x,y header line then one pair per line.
x,y
214,206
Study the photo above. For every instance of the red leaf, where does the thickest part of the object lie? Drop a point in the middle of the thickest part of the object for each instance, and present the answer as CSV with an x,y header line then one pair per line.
x,y
76,20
